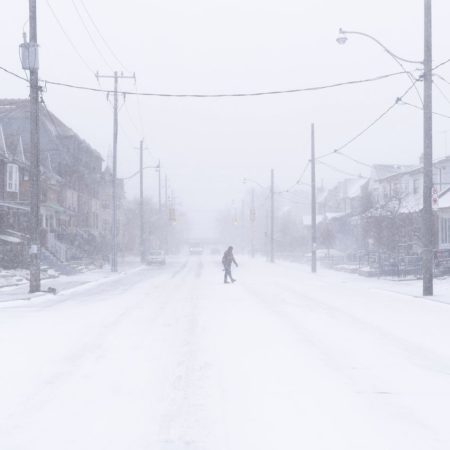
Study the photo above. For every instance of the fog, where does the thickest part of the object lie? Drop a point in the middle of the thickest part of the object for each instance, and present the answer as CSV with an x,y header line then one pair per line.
x,y
233,310
208,146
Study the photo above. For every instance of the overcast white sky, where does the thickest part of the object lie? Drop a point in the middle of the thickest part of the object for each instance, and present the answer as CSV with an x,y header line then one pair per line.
x,y
208,146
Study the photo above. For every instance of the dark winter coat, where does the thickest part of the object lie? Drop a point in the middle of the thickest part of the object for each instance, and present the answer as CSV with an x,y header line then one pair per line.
x,y
228,259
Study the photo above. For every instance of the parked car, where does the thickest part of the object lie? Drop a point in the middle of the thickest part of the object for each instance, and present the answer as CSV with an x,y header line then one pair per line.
x,y
156,257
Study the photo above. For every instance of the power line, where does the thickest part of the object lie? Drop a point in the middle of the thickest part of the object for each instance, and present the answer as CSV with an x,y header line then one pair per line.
x,y
139,109
441,64
131,120
340,170
441,92
299,181
69,39
442,78
371,125
90,35
101,35
421,109
242,94
357,161
119,61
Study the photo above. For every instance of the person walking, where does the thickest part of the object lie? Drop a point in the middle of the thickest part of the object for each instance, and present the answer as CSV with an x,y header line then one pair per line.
x,y
227,260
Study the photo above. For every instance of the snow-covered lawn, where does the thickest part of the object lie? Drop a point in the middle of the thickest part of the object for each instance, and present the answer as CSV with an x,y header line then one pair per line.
x,y
171,359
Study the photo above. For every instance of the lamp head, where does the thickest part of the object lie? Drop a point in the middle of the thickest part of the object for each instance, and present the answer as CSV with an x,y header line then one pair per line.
x,y
341,39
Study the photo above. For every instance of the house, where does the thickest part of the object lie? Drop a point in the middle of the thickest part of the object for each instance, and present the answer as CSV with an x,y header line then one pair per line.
x,y
74,185
346,197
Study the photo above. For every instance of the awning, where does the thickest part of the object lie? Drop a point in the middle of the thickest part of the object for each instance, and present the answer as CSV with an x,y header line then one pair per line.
x,y
57,208
14,206
10,239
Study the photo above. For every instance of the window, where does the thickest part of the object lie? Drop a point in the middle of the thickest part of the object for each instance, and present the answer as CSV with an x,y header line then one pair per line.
x,y
444,230
415,186
12,178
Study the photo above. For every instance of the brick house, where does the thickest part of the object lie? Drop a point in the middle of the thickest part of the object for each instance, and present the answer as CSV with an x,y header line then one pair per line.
x,y
72,183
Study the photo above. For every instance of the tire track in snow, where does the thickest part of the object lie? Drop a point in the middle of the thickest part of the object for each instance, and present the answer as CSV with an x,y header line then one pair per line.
x,y
365,381
90,351
188,421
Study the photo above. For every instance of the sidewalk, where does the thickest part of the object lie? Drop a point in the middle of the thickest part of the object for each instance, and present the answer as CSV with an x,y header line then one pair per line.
x,y
66,282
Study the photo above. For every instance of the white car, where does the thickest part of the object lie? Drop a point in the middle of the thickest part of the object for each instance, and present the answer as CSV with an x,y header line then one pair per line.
x,y
156,257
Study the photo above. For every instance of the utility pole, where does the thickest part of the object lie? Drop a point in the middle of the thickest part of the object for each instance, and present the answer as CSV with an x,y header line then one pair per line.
x,y
159,187
427,211
141,200
35,194
313,203
165,193
272,216
166,215
252,224
116,76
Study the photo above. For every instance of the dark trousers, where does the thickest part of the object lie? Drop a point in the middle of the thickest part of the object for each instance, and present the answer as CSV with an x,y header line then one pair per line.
x,y
227,274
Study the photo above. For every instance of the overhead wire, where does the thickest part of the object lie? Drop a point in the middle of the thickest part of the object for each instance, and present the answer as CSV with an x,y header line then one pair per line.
x,y
344,172
441,92
94,43
139,109
421,109
119,61
299,180
441,64
97,29
241,94
442,78
72,44
371,125
357,161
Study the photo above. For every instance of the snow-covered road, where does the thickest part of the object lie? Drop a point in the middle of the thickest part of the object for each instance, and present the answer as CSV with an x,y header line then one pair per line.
x,y
172,359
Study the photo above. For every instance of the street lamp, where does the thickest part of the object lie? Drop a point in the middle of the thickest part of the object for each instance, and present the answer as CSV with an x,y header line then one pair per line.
x,y
341,40
427,210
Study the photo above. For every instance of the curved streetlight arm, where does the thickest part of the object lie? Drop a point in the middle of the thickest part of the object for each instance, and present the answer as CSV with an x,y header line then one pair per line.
x,y
248,180
396,57
137,173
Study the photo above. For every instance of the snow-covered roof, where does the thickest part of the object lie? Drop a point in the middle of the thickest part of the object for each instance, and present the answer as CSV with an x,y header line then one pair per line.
x,y
321,218
382,171
56,137
11,239
354,185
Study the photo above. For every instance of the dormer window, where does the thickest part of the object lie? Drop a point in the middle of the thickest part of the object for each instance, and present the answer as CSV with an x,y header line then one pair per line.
x,y
12,178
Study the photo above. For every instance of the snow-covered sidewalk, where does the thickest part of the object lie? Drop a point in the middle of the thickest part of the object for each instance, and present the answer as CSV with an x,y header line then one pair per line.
x,y
172,359
65,283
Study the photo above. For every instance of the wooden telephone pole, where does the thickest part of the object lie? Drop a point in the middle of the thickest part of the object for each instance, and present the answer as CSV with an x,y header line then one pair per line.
x,y
116,76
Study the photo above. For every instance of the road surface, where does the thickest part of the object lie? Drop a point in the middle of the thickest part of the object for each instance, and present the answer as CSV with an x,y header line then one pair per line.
x,y
172,359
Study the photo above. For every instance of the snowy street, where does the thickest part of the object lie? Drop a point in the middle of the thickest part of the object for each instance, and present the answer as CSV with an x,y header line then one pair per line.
x,y
173,359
